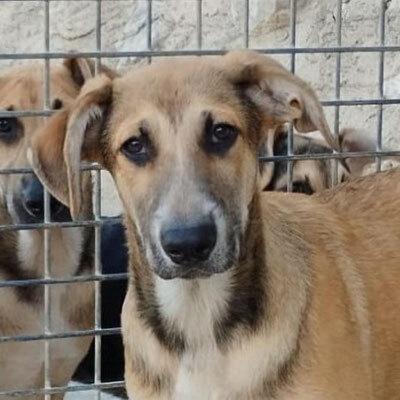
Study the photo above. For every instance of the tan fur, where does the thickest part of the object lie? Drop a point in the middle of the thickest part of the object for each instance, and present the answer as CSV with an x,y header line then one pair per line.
x,y
21,364
308,308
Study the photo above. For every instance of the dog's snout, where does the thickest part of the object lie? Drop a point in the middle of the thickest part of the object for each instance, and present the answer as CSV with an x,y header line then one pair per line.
x,y
188,243
32,195
33,198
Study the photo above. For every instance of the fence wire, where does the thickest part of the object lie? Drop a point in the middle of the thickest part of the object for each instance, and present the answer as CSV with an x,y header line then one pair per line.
x,y
98,277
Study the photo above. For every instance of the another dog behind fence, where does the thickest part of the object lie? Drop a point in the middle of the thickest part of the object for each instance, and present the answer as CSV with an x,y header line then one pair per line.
x,y
23,254
314,175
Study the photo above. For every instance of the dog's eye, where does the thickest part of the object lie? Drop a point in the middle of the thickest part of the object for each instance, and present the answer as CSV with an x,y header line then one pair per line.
x,y
134,146
219,137
222,132
8,129
137,149
299,187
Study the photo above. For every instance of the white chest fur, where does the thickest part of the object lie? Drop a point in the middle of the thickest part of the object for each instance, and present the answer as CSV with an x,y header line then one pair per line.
x,y
193,307
65,253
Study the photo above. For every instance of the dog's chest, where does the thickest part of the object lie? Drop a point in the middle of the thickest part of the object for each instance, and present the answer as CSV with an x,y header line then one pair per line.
x,y
210,374
65,253
192,308
206,370
201,376
64,257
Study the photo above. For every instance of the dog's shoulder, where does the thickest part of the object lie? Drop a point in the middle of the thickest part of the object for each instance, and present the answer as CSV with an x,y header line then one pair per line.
x,y
375,195
291,208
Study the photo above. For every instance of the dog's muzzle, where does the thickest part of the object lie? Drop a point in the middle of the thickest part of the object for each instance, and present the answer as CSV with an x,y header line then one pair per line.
x,y
187,244
29,205
191,248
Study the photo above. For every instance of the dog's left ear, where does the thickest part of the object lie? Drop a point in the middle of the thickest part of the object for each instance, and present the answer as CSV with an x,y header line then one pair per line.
x,y
68,138
280,96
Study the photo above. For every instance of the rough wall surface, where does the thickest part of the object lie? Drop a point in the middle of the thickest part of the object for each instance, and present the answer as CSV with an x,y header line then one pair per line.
x,y
124,27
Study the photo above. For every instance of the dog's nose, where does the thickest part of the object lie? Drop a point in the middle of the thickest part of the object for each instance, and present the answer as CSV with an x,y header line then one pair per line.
x,y
189,243
33,197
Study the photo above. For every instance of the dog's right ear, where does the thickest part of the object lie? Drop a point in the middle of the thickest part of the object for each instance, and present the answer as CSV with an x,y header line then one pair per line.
x,y
68,138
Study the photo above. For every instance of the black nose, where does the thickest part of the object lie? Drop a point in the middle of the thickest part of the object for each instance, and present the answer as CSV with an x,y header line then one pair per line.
x,y
33,197
189,243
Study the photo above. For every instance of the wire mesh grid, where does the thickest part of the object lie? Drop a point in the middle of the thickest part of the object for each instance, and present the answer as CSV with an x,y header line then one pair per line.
x,y
98,277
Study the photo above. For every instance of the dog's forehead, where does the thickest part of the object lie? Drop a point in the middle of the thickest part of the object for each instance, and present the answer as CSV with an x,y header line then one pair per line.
x,y
19,88
172,85
22,87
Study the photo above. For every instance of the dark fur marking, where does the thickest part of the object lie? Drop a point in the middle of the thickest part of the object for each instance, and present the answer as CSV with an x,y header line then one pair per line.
x,y
11,268
156,382
149,311
247,306
147,304
86,261
253,118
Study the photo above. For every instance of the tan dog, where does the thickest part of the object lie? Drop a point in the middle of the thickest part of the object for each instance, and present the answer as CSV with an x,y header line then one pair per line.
x,y
21,253
235,294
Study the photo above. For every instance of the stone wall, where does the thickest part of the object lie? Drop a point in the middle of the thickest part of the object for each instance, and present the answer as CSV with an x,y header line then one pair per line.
x,y
174,27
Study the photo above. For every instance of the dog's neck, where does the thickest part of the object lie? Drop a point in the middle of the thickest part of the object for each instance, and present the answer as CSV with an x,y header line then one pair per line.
x,y
22,253
69,249
189,313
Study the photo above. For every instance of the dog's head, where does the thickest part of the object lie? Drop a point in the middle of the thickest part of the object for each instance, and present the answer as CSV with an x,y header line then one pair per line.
x,y
21,89
313,175
181,140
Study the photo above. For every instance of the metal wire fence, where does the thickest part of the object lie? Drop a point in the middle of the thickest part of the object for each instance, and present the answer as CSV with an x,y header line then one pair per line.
x,y
98,277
